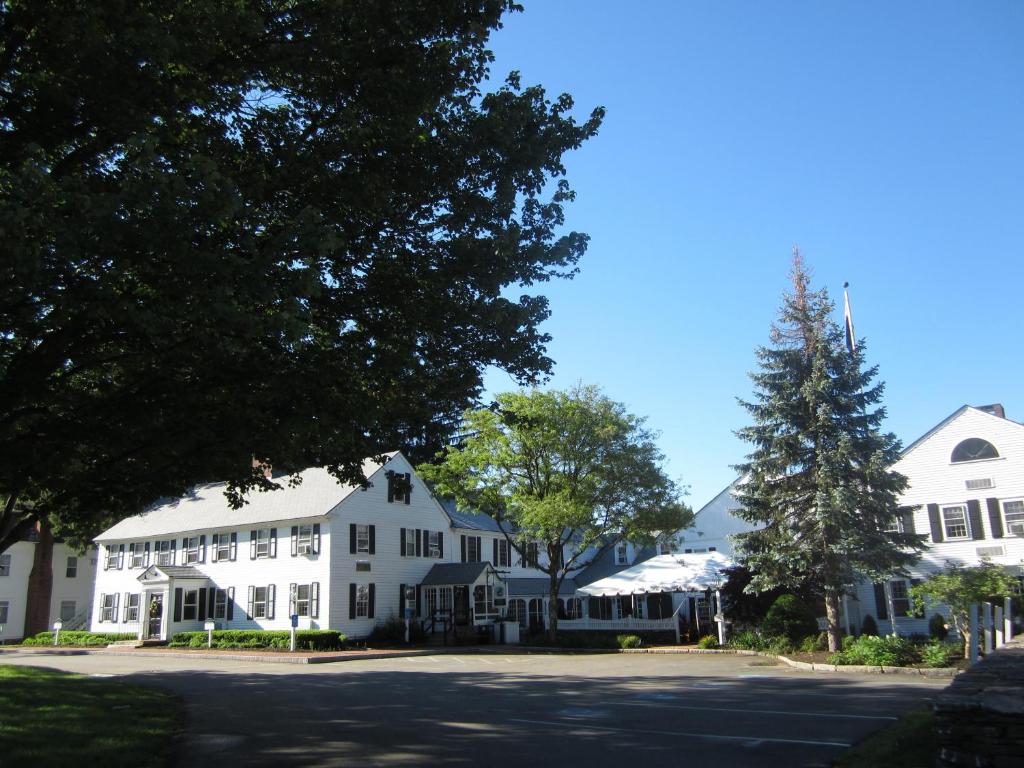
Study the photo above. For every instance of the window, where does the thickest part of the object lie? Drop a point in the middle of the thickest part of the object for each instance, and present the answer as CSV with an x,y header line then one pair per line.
x,y
1013,514
131,608
164,552
71,571
362,601
263,543
665,548
307,539
974,449
301,599
532,558
574,608
399,487
5,565
112,557
409,542
434,544
68,608
190,605
222,546
954,522
108,607
220,604
259,603
472,549
900,598
136,555
362,538
517,611
192,547
621,554
5,606
503,554
363,565
304,599
483,601
893,525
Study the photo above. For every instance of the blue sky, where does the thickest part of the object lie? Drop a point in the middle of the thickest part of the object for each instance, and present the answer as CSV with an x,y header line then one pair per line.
x,y
885,139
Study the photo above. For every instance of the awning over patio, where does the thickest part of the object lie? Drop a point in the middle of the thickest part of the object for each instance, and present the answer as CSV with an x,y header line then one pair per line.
x,y
664,573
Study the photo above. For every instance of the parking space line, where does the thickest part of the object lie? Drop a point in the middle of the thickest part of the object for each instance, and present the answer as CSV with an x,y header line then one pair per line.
x,y
749,740
662,705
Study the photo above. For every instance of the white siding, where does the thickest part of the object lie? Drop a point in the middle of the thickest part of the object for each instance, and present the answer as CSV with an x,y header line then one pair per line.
x,y
14,588
714,525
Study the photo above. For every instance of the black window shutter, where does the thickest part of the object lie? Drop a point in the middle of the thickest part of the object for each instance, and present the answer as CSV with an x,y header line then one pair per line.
x,y
295,540
202,603
145,556
426,543
174,554
401,601
908,522
212,602
234,545
177,604
273,542
479,551
391,487
935,521
271,600
418,611
316,538
440,543
463,547
351,601
369,611
373,545
408,487
252,548
881,607
494,560
419,542
252,602
314,600
401,540
995,520
231,601
352,538
974,513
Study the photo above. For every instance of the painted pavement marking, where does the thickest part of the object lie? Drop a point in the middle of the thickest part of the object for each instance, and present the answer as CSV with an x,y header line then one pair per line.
x,y
758,711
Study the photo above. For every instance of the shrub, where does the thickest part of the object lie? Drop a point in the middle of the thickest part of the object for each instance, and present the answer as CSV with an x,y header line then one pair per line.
x,y
878,651
814,643
940,654
80,638
790,617
747,640
708,641
778,645
937,628
392,631
628,641
305,639
869,626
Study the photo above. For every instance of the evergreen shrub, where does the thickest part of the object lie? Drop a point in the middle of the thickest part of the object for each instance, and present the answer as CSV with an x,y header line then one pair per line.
x,y
869,626
708,641
940,654
80,638
790,617
277,640
937,628
874,651
629,641
747,640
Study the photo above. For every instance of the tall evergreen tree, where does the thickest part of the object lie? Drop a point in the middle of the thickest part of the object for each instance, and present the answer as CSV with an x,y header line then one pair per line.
x,y
817,480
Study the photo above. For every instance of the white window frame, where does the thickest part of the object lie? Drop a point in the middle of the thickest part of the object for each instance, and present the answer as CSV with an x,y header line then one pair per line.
x,y
621,554
899,592
223,548
136,554
259,607
362,601
504,553
262,545
5,565
409,543
191,554
947,524
895,525
473,549
107,608
190,607
164,553
66,615
112,553
304,540
1013,526
433,543
301,603
71,569
132,607
220,604
362,539
574,608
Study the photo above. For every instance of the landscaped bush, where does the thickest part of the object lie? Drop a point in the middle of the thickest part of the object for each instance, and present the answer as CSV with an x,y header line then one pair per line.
x,y
628,641
940,654
708,641
790,617
747,640
79,638
814,643
780,646
277,640
869,626
879,651
392,632
937,628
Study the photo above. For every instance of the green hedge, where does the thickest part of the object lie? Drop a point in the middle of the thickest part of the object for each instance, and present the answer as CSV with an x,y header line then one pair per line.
x,y
79,638
277,640
886,651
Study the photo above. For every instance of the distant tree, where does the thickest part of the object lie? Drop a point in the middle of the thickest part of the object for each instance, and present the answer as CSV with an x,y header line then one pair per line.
x,y
817,481
958,586
276,229
570,470
747,608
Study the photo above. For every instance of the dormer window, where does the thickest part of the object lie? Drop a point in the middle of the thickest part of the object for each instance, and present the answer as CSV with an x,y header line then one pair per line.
x,y
621,554
399,487
974,449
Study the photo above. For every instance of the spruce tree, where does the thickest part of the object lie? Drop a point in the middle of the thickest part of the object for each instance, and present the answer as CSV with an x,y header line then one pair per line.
x,y
817,481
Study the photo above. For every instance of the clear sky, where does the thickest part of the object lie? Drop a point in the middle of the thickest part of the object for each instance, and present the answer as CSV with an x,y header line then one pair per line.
x,y
885,139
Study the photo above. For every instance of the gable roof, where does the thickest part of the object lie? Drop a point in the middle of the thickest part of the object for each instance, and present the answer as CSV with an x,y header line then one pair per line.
x,y
444,574
206,507
472,521
951,417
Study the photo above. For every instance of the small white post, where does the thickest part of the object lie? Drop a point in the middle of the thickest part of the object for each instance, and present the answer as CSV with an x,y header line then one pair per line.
x,y
291,631
972,635
56,631
1008,619
986,626
997,625
887,588
209,627
719,617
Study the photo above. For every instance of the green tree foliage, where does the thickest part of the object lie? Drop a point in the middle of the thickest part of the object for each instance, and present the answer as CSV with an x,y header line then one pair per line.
x,y
570,470
817,481
958,586
276,229
790,617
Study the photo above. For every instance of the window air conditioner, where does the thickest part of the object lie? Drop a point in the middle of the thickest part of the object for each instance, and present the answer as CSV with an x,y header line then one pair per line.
x,y
305,549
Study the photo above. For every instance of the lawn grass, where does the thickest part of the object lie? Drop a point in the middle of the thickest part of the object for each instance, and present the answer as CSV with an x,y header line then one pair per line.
x,y
50,718
908,743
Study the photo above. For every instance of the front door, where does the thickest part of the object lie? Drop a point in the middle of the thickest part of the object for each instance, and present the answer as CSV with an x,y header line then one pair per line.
x,y
156,615
461,605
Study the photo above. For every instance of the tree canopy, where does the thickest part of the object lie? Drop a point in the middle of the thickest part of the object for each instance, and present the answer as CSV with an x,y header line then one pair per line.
x,y
570,470
817,481
282,230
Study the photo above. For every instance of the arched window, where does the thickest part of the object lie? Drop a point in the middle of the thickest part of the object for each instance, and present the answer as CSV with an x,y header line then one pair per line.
x,y
574,608
517,611
974,449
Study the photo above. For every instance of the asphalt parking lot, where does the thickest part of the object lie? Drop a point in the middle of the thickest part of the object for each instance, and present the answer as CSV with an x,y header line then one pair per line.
x,y
514,710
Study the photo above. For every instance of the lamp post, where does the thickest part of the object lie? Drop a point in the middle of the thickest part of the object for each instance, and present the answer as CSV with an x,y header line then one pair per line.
x,y
56,631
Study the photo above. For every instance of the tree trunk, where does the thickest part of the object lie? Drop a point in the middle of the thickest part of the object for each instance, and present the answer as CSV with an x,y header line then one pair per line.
x,y
40,584
553,609
835,635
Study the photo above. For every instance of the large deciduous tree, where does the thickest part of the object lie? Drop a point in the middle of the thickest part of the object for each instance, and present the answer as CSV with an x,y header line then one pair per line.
x,y
817,481
258,228
570,471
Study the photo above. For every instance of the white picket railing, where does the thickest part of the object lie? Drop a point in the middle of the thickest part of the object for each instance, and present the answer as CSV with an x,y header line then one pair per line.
x,y
650,625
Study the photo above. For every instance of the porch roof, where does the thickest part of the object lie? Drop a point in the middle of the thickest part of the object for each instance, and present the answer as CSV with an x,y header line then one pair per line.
x,y
664,573
447,574
168,572
520,587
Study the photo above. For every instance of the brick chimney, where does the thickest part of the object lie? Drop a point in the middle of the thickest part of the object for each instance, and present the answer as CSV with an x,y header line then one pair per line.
x,y
996,409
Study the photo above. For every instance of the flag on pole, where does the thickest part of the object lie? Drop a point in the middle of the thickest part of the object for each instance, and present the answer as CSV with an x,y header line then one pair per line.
x,y
851,337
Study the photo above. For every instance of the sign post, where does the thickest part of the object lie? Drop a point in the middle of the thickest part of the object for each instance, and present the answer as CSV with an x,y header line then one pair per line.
x,y
295,624
410,599
209,626
56,631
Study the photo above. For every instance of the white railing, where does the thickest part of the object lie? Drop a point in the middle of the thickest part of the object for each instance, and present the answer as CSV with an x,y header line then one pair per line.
x,y
650,625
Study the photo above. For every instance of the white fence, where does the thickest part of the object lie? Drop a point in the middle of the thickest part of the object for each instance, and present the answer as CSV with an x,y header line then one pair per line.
x,y
991,627
649,625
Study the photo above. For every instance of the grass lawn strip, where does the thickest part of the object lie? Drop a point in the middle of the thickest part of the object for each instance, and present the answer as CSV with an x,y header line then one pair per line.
x,y
50,718
909,743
